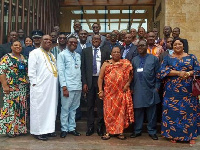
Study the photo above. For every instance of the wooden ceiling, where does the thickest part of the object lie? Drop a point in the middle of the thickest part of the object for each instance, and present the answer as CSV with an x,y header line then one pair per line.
x,y
64,3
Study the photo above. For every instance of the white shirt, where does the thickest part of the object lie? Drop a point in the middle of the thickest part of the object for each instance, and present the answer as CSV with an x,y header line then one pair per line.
x,y
98,59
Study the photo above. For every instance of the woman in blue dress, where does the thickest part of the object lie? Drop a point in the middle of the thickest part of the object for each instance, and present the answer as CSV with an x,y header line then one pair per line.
x,y
181,115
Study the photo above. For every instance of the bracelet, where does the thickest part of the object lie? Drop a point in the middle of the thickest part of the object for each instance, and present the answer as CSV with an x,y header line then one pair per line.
x,y
188,73
99,92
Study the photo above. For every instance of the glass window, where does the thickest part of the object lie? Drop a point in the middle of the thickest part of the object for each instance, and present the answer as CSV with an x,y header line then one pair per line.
x,y
109,17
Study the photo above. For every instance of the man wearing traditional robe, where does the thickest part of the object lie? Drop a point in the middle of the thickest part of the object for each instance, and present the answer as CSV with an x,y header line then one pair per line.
x,y
43,77
69,68
145,90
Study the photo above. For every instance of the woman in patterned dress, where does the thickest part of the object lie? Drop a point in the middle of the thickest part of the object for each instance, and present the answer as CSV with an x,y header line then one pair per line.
x,y
181,115
14,80
117,101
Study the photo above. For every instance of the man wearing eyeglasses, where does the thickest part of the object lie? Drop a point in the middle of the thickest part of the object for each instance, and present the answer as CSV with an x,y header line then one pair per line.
x,y
62,44
37,35
145,90
96,28
69,69
91,60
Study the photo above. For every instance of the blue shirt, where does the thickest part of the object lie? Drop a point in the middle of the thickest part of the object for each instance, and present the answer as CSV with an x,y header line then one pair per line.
x,y
69,70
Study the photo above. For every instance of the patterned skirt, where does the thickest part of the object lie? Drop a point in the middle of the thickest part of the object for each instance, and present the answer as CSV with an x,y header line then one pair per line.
x,y
14,112
181,118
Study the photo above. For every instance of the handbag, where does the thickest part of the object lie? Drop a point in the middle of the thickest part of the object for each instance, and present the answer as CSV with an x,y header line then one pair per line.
x,y
196,86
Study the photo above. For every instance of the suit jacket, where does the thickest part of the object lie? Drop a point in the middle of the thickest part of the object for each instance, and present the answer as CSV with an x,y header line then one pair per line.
x,y
87,64
108,46
185,42
4,49
79,48
132,52
103,39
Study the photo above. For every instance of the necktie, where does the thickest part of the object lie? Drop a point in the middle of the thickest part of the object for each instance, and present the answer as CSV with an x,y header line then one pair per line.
x,y
94,61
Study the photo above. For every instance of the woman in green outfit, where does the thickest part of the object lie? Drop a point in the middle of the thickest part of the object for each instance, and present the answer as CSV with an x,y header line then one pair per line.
x,y
14,80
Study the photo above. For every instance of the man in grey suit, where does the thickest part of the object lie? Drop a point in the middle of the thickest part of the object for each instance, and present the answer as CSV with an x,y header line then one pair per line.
x,y
130,50
91,60
96,28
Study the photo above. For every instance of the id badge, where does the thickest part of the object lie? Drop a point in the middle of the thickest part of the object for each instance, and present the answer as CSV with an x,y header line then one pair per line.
x,y
21,67
139,69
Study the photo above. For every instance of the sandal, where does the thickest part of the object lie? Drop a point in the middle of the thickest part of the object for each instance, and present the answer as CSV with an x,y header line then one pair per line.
x,y
106,136
192,142
121,136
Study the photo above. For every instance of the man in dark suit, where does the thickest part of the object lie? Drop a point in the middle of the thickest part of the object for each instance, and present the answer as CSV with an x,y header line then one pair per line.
x,y
130,50
6,48
175,33
91,60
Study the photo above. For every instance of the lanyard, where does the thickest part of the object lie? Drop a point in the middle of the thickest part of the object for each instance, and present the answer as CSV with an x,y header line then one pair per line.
x,y
73,56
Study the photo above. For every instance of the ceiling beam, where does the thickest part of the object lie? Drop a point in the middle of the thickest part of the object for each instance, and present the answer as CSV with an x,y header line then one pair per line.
x,y
109,16
67,3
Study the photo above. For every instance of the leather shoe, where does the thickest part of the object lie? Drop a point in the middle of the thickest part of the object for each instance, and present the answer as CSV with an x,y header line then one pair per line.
x,y
134,135
52,134
63,134
100,132
89,132
75,133
153,136
41,137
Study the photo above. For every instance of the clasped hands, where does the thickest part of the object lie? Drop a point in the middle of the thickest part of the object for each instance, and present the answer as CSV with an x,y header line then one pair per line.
x,y
184,74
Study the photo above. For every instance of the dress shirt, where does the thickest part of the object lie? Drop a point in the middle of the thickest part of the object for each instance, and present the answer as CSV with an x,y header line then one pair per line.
x,y
68,64
83,45
98,59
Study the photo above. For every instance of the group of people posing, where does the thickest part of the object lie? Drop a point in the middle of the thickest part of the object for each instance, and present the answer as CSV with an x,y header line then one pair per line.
x,y
122,73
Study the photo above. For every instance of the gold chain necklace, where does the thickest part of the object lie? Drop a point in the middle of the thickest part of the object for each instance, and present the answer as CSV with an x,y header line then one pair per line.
x,y
53,66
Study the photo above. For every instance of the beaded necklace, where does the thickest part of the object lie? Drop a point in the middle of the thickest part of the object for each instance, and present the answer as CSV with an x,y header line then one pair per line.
x,y
52,62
